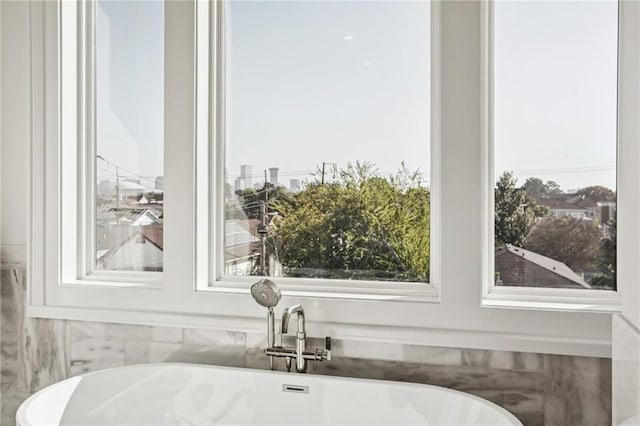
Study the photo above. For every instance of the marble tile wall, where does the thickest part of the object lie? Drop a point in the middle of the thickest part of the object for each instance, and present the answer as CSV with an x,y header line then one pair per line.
x,y
539,389
626,372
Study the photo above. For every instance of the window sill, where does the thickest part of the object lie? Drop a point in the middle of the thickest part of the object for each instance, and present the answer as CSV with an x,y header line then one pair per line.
x,y
385,318
568,306
549,299
336,289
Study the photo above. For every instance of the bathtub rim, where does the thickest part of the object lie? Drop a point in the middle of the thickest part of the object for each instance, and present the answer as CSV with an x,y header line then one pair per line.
x,y
21,419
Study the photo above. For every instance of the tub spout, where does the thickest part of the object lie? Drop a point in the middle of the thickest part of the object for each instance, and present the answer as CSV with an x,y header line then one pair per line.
x,y
301,336
286,314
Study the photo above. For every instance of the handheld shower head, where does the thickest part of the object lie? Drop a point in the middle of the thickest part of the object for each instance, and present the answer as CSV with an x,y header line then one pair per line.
x,y
266,293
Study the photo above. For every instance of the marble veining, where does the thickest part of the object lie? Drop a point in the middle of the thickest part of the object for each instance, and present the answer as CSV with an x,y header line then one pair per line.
x,y
577,391
33,351
538,389
38,345
626,371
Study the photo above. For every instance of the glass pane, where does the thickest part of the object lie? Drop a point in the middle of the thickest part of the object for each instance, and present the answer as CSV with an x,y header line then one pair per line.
x,y
555,143
129,87
327,140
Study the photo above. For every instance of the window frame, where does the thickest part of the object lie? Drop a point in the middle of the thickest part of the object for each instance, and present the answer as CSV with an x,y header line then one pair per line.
x,y
350,289
530,297
460,314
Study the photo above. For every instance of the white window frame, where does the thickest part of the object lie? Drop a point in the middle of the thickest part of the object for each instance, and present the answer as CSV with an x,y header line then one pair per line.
x,y
459,310
530,297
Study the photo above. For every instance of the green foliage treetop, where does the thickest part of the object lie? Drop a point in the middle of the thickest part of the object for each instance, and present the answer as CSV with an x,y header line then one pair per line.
x,y
361,225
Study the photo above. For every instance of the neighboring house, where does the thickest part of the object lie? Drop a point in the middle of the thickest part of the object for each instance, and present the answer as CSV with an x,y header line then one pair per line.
x,y
115,225
128,188
590,206
142,250
515,266
561,208
577,206
240,246
134,216
606,210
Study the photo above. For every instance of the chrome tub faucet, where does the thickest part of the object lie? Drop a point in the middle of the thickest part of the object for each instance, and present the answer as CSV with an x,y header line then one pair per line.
x,y
301,335
267,294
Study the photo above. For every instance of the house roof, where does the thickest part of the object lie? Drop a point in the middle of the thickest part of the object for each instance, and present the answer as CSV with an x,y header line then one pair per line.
x,y
558,204
583,202
525,268
240,232
239,235
131,214
151,233
240,239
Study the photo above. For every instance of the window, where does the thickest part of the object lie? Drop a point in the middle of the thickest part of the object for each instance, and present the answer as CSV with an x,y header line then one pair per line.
x,y
555,132
129,135
233,109
327,140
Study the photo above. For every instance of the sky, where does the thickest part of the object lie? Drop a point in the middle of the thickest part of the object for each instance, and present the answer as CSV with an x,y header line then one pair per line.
x,y
130,89
555,91
337,82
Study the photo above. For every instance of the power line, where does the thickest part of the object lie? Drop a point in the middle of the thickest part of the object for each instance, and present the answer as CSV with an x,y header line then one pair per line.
x,y
125,177
280,173
565,170
100,157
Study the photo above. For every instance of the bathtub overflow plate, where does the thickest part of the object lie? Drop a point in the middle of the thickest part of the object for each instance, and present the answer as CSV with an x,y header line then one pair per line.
x,y
295,388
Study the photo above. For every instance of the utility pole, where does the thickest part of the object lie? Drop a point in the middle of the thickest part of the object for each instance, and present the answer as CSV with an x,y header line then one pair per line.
x,y
117,188
262,230
109,163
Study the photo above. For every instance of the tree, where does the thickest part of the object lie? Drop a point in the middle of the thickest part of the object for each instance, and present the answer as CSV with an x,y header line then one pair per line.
x,y
597,193
361,225
251,199
536,188
608,257
515,211
572,241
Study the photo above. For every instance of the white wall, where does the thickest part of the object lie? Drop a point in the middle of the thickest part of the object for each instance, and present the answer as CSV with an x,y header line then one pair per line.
x,y
14,129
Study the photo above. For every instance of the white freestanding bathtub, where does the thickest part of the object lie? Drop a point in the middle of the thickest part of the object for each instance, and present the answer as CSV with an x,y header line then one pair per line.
x,y
189,394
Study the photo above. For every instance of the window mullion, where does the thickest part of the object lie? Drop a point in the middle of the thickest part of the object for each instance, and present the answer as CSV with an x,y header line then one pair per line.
x,y
179,146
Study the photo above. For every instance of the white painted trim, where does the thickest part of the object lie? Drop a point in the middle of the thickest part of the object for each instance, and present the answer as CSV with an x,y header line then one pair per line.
x,y
487,154
204,140
1,138
525,297
438,337
38,130
218,117
628,160
70,160
382,313
413,291
87,226
435,178
180,146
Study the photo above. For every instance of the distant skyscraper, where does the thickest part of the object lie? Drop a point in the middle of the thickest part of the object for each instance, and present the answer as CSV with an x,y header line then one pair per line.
x,y
273,175
294,185
245,173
